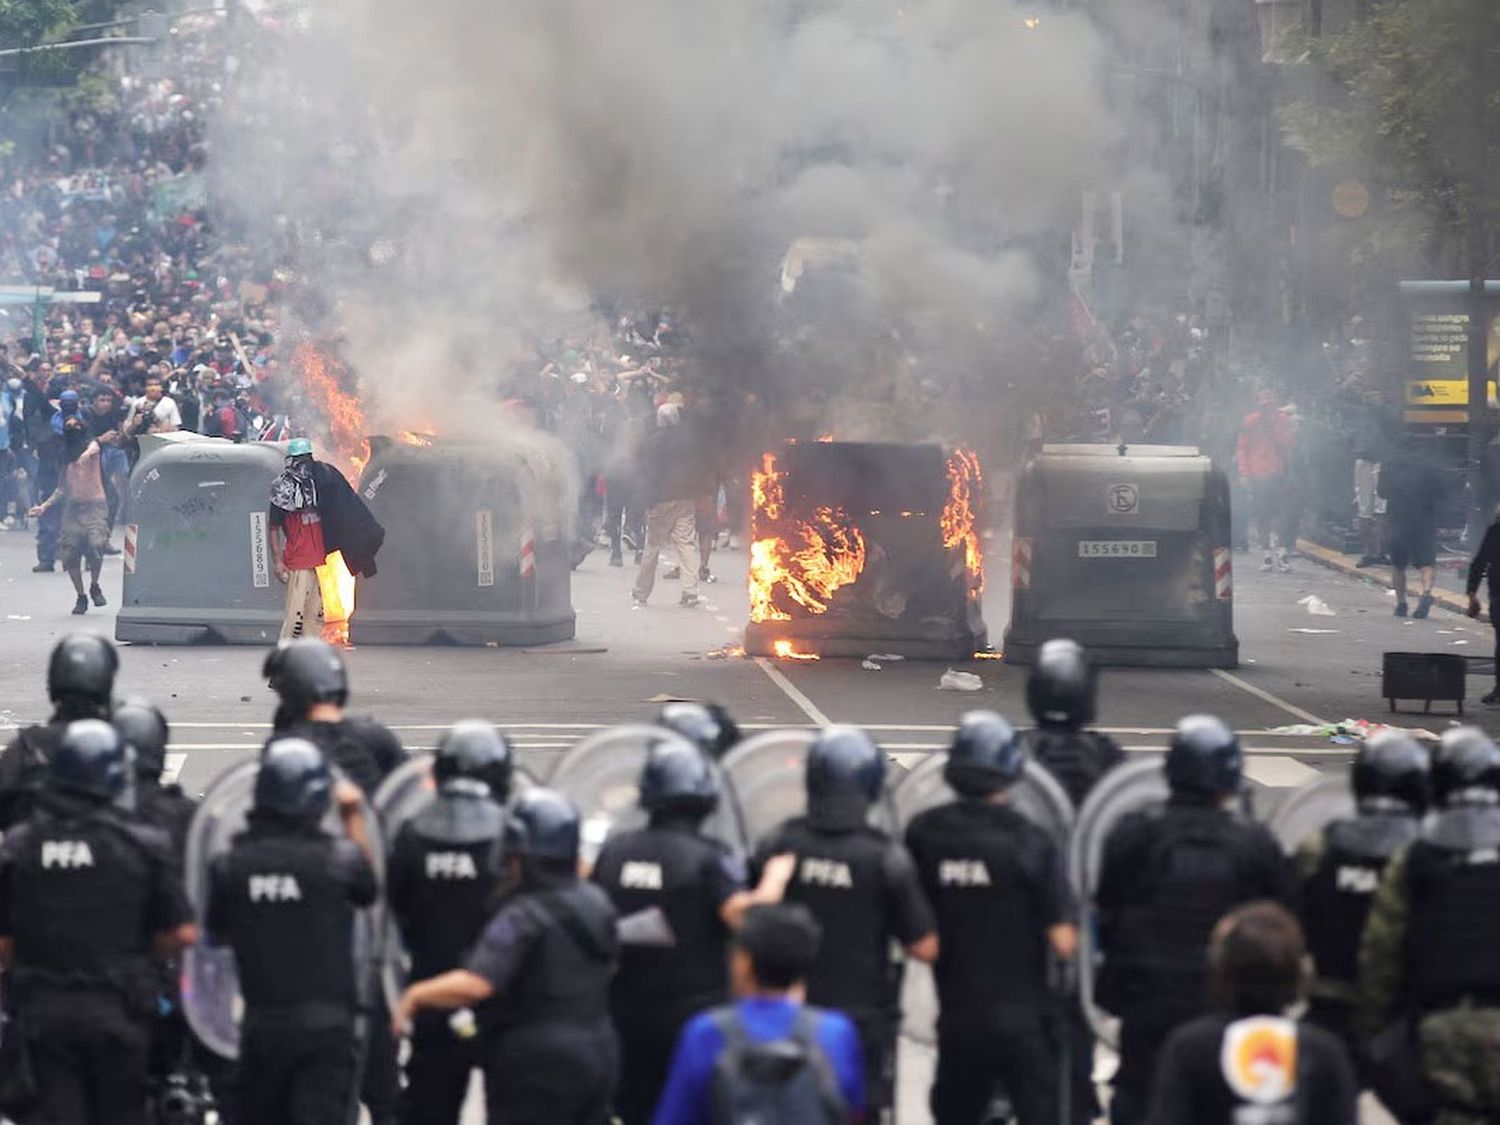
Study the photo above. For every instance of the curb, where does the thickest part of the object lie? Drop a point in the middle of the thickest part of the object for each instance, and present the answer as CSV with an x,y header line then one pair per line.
x,y
1333,560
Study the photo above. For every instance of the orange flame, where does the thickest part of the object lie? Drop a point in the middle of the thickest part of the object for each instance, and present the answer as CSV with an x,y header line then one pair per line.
x,y
804,562
785,651
960,527
412,437
337,586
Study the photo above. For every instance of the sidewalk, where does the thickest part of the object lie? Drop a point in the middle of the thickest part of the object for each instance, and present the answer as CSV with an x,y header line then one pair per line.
x,y
1448,591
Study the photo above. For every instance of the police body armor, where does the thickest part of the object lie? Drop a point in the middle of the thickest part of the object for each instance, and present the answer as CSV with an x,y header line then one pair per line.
x,y
348,746
1038,796
1453,881
601,775
1076,759
210,985
23,771
1340,893
568,971
409,796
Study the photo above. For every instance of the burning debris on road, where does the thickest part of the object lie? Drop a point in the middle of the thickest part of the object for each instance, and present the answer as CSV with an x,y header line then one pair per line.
x,y
861,546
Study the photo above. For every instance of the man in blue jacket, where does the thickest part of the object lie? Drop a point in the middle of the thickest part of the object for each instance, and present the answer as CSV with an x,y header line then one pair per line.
x,y
772,954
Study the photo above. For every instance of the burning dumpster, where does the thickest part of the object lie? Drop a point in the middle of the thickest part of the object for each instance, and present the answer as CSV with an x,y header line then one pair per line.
x,y
865,547
1127,551
477,543
197,550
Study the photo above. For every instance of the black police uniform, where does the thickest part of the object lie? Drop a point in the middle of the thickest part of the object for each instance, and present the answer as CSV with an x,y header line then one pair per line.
x,y
996,883
83,888
1190,1087
549,952
1169,875
862,887
283,898
673,868
1077,758
166,807
441,881
23,769
364,750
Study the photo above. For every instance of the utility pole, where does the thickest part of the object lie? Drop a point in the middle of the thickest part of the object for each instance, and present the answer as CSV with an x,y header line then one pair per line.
x,y
1478,263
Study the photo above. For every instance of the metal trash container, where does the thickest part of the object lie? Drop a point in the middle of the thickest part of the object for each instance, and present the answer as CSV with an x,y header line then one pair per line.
x,y
197,551
1127,551
477,546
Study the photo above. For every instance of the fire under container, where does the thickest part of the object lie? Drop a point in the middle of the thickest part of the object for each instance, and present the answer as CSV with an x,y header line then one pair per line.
x,y
861,548
1126,550
197,558
477,544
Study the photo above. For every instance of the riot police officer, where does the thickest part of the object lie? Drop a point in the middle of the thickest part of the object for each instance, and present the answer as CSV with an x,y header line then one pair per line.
x,y
707,725
80,682
1060,694
678,893
145,731
283,898
1003,910
548,953
863,889
309,677
444,869
1168,876
1339,868
1428,960
88,898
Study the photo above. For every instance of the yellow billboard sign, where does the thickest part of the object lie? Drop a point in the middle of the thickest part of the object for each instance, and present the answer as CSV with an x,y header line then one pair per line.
x,y
1441,392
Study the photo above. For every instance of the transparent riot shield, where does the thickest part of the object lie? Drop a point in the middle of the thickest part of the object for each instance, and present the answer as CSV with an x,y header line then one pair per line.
x,y
1310,808
211,998
1037,796
768,774
601,775
1133,787
401,797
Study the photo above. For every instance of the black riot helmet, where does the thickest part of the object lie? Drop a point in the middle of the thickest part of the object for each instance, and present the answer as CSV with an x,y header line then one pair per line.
x,y
475,750
294,782
845,773
144,729
305,672
985,755
1061,688
1465,769
90,761
81,674
706,724
678,778
1391,774
1205,759
543,826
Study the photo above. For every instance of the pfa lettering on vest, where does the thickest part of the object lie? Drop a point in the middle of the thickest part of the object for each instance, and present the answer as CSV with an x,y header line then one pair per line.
x,y
66,854
274,888
826,873
636,875
1484,857
1356,880
963,873
451,865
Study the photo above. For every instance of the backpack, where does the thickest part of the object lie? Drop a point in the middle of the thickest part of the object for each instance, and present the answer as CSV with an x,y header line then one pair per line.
x,y
782,1082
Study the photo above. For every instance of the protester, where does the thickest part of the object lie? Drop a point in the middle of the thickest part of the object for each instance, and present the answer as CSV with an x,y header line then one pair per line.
x,y
1263,457
1413,489
80,494
673,480
1485,568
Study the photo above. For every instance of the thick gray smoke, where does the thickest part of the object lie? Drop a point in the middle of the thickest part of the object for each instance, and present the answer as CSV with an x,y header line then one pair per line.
x,y
467,181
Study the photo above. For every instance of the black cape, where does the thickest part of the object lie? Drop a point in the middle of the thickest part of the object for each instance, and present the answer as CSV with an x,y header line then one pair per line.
x,y
348,525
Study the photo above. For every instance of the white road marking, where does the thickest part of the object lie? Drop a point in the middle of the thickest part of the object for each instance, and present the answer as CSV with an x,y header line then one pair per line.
x,y
1276,771
172,768
1266,697
791,691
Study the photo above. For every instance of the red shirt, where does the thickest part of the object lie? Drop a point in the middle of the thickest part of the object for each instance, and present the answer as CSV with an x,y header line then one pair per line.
x,y
304,540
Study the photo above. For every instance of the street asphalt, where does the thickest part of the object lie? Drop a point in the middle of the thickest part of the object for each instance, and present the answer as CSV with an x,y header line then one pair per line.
x,y
1296,668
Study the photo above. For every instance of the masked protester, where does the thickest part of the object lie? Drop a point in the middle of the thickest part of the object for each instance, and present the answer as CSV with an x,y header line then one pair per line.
x,y
547,955
84,529
80,682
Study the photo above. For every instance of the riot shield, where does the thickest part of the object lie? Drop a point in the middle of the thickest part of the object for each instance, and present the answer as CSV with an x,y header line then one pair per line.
x,y
1310,808
1037,796
601,776
1135,786
767,771
404,793
211,999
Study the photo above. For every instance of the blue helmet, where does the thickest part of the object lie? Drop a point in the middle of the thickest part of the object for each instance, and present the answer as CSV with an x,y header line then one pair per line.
x,y
1205,759
845,774
1465,769
144,729
474,749
1391,773
677,777
90,761
543,825
294,781
986,755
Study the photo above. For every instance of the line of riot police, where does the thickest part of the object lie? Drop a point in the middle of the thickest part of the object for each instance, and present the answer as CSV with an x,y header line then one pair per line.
x,y
349,895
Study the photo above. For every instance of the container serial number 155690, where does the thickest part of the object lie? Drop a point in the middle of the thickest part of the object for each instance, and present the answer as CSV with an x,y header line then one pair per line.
x,y
1117,548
